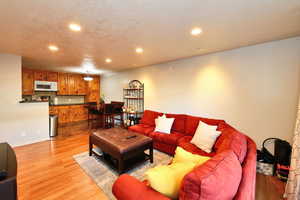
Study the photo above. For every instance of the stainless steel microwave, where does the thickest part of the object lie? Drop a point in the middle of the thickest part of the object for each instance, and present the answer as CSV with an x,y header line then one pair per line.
x,y
45,86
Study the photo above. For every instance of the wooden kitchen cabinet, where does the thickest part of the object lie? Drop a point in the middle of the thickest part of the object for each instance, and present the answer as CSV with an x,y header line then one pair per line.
x,y
78,113
45,76
70,113
68,83
82,113
27,82
77,84
63,114
52,76
63,88
72,84
40,75
53,110
95,83
81,85
93,96
93,90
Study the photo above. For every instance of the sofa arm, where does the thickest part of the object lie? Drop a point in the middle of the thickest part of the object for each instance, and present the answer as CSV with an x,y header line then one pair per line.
x,y
129,188
218,178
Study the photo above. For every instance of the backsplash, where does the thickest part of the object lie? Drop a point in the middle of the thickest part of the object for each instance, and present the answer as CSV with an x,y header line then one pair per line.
x,y
54,99
57,100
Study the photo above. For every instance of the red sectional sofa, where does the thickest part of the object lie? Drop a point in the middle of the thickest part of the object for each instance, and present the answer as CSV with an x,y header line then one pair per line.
x,y
229,174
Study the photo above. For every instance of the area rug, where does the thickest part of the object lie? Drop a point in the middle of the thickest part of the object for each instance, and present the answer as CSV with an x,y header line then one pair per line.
x,y
104,176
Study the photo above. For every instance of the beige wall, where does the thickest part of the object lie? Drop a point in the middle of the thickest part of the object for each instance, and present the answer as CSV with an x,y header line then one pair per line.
x,y
253,88
19,123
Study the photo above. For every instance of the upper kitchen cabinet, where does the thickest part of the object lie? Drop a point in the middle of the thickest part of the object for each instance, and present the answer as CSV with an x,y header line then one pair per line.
x,y
81,85
63,87
71,84
67,83
27,81
40,76
77,86
95,83
45,76
52,76
93,94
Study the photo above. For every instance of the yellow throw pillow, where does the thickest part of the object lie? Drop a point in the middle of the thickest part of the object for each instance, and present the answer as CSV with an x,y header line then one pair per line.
x,y
184,156
167,179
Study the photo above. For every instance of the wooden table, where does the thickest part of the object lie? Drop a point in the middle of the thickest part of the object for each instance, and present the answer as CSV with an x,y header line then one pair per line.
x,y
122,149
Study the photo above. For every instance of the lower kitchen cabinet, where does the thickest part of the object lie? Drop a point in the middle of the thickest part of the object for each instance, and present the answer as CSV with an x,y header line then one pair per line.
x,y
78,113
68,114
53,110
64,114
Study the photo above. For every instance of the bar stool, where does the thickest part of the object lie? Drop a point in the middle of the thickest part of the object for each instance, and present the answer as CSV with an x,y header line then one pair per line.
x,y
93,113
108,115
118,111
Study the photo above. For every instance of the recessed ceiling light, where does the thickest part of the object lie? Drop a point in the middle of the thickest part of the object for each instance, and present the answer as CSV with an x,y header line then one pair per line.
x,y
196,31
75,27
108,60
139,50
53,48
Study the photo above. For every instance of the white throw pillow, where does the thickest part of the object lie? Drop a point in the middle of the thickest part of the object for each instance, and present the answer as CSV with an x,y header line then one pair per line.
x,y
205,137
163,124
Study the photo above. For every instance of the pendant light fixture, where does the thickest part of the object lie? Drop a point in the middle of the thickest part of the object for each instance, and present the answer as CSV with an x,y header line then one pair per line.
x,y
87,77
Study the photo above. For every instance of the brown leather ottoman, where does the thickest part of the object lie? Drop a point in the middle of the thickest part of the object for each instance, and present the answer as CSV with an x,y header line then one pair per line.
x,y
122,145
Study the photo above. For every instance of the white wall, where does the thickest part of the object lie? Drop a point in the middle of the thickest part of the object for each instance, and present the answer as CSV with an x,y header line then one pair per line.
x,y
254,88
19,123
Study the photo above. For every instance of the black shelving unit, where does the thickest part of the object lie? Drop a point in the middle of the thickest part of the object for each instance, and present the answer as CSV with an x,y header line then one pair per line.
x,y
133,96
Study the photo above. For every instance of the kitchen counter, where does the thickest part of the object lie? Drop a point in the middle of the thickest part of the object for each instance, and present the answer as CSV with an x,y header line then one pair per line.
x,y
50,104
33,101
68,104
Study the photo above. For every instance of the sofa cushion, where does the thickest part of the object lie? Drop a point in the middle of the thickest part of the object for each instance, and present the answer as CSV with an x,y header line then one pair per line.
x,y
166,148
185,143
184,156
216,179
166,138
149,117
193,122
142,128
179,122
166,179
231,139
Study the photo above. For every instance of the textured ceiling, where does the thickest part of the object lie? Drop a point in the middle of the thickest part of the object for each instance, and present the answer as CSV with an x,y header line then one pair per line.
x,y
114,28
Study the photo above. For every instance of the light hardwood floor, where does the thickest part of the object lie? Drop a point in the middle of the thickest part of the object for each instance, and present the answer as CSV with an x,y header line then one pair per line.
x,y
47,171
